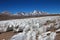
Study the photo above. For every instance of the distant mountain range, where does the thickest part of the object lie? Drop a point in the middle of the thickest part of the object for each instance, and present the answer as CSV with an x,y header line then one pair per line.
x,y
35,12
7,15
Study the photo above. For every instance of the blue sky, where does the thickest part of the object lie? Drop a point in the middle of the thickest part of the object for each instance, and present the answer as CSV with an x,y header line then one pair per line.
x,y
50,6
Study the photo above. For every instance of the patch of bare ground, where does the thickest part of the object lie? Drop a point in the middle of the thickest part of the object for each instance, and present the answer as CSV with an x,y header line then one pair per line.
x,y
6,35
57,36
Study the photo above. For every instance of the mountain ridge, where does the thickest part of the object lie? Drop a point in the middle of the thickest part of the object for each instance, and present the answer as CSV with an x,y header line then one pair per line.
x,y
8,15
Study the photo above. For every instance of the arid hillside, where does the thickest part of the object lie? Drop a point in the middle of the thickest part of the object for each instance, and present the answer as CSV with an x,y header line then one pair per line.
x,y
7,17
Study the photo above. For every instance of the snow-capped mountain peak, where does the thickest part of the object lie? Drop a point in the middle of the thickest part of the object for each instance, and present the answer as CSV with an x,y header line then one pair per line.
x,y
36,12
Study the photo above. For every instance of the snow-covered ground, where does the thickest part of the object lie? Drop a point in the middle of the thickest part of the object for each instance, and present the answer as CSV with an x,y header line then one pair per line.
x,y
32,27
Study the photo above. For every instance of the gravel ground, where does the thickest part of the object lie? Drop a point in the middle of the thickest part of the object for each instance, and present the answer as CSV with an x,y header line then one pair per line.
x,y
6,35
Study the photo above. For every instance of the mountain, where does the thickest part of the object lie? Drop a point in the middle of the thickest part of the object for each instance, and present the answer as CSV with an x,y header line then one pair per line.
x,y
6,15
35,12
